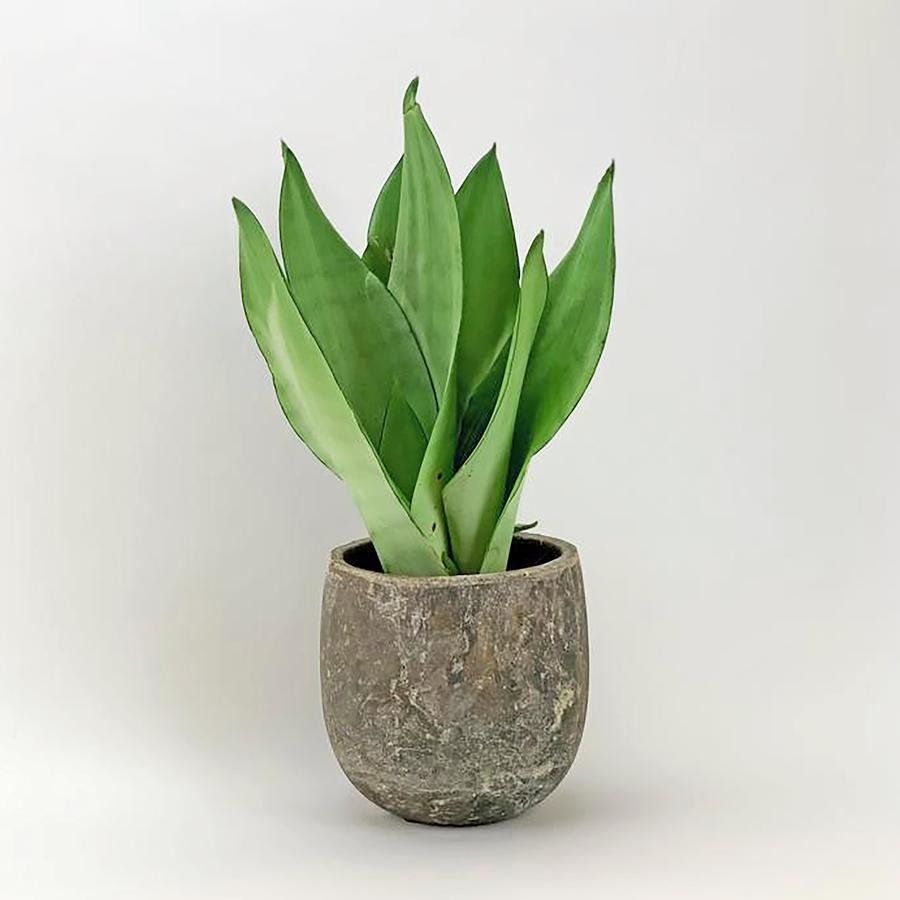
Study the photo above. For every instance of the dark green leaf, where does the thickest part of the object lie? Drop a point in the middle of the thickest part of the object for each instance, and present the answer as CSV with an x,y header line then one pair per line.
x,y
357,324
490,273
573,330
479,408
402,443
382,230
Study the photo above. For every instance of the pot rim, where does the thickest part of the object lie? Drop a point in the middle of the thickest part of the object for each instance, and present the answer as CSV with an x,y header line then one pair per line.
x,y
568,555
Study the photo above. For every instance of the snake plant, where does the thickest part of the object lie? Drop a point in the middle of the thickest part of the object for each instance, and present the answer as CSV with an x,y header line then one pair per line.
x,y
429,370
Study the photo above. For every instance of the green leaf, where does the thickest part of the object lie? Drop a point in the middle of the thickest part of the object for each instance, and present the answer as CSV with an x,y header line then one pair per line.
x,y
524,526
573,330
490,266
437,466
426,272
490,273
402,443
361,330
474,497
382,231
317,409
426,279
409,97
566,350
497,555
479,409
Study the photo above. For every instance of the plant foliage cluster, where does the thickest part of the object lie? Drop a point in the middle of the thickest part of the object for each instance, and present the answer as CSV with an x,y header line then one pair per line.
x,y
427,372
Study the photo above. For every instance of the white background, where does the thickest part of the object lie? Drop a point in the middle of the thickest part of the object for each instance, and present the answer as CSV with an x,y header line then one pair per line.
x,y
730,478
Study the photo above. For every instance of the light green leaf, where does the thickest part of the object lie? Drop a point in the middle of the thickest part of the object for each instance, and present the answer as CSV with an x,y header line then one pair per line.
x,y
382,230
437,466
573,330
317,409
426,279
490,273
426,273
474,497
362,331
497,555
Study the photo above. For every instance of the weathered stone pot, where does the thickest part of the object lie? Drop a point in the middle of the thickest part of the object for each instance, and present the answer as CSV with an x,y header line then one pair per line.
x,y
455,701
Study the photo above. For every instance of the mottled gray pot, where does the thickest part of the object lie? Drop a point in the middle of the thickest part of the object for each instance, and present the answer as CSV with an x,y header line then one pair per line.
x,y
456,701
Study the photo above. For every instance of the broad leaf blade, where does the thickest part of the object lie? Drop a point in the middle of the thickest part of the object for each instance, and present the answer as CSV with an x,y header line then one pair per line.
x,y
565,354
318,410
362,332
490,264
490,273
426,273
382,231
573,329
474,497
426,279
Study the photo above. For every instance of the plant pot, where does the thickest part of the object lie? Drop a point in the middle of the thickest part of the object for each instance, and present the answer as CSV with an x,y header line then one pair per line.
x,y
457,700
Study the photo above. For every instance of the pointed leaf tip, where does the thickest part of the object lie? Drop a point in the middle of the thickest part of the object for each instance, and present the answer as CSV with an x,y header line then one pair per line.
x,y
409,98
288,155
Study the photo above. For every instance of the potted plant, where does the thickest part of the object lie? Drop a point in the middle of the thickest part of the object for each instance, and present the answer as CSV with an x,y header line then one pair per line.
x,y
426,373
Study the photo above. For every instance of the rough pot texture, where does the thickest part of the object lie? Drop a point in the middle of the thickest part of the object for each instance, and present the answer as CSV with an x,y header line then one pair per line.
x,y
461,700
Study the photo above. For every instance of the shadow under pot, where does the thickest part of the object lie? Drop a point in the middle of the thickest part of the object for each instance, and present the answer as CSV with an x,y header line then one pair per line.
x,y
456,700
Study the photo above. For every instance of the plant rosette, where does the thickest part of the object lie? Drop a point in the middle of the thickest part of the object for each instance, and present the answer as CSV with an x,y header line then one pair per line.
x,y
426,373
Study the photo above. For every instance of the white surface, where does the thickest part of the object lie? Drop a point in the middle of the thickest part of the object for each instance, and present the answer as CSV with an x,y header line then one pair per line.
x,y
730,478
